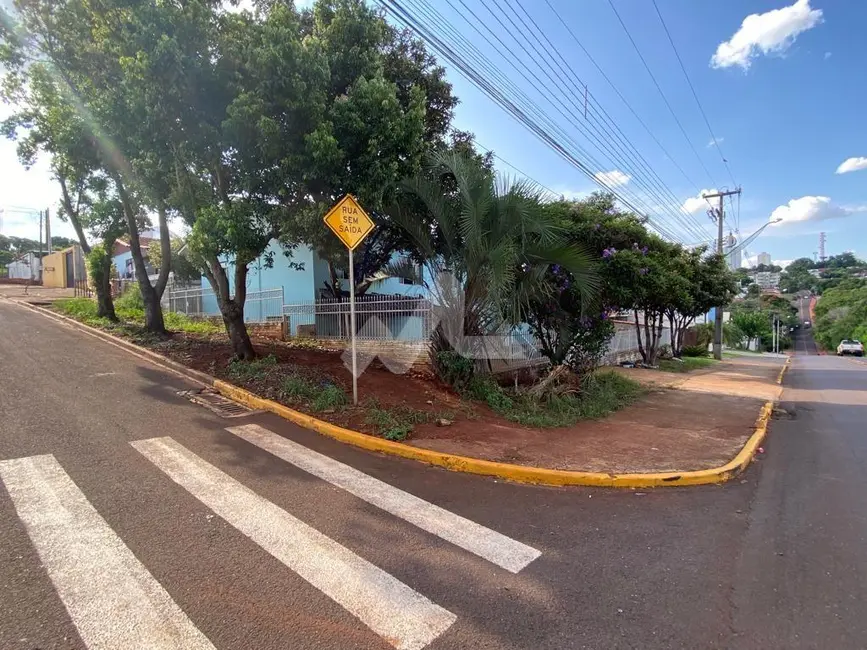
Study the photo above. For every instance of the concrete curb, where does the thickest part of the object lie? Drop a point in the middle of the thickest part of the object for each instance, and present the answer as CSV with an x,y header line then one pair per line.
x,y
783,371
465,464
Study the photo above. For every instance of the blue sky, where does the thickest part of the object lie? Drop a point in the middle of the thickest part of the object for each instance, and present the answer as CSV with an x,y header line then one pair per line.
x,y
785,97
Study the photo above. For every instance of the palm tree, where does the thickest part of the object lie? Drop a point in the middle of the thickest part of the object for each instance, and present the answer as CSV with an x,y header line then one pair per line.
x,y
486,244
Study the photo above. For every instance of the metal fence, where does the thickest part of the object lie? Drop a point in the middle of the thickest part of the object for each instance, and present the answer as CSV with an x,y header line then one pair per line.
x,y
377,318
200,302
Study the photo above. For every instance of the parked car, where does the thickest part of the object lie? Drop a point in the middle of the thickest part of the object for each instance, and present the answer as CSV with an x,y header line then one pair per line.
x,y
806,323
848,346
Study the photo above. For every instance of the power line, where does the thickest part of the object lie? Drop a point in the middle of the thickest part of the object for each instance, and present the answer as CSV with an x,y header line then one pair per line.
x,y
622,98
481,60
660,190
522,173
601,142
659,88
516,104
694,94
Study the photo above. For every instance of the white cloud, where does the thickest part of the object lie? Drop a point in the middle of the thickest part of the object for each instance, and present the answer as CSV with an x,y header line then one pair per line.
x,y
696,204
613,178
768,33
811,208
827,55
573,195
714,142
852,165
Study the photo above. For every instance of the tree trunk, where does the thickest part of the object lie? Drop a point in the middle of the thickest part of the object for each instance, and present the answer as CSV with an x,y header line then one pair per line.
x,y
153,309
641,350
233,319
102,285
232,309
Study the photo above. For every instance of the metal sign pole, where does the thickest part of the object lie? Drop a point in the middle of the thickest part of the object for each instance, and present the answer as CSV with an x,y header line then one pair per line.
x,y
352,328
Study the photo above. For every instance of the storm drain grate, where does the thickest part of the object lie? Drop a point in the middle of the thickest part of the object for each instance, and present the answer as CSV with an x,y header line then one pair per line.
x,y
213,401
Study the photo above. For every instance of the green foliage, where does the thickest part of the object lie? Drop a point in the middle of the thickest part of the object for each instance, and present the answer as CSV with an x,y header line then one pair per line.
x,y
453,369
130,299
394,422
687,363
485,389
487,247
601,393
321,396
256,370
841,313
695,350
752,324
183,268
640,272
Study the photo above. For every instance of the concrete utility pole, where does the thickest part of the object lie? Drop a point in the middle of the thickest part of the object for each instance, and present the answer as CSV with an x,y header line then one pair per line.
x,y
48,232
720,218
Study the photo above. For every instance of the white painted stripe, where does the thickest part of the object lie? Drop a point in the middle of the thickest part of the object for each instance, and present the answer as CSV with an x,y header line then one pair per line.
x,y
400,615
110,596
475,538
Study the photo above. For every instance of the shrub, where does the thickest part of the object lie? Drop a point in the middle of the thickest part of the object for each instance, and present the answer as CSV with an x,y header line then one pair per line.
x,y
453,369
130,299
694,350
485,389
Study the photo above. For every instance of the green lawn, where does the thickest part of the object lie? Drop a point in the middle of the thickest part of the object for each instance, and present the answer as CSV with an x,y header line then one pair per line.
x,y
688,364
602,393
130,317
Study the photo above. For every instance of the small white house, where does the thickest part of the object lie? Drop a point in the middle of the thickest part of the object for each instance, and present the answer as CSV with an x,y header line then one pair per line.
x,y
27,266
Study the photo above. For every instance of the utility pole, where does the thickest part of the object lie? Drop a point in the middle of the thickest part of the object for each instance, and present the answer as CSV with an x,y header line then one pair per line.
x,y
40,234
720,219
47,232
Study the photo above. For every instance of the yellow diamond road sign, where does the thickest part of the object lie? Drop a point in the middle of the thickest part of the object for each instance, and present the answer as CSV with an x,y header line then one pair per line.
x,y
349,221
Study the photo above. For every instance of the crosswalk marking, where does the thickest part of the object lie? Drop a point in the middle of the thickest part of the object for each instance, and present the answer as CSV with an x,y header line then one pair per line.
x,y
111,598
475,538
400,615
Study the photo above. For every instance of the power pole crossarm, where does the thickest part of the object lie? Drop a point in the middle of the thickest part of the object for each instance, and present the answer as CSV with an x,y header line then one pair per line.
x,y
720,218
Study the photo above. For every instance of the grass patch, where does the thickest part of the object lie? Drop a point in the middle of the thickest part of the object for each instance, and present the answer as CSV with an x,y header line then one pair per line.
x,y
394,422
251,371
130,316
603,393
688,364
320,395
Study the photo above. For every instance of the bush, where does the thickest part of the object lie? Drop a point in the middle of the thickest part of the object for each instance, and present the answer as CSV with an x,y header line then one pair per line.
x,y
454,369
485,389
130,299
694,350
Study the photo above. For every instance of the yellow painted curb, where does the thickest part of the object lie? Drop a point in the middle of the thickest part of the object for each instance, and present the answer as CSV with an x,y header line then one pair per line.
x,y
518,473
783,370
465,464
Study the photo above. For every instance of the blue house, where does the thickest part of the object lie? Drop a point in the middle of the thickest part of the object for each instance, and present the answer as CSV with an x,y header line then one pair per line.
x,y
303,277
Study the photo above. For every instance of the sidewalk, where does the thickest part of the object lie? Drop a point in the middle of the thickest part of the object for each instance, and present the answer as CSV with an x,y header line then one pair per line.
x,y
687,422
35,294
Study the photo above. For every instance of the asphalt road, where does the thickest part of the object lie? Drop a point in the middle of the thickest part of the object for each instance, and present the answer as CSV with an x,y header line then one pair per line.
x,y
203,539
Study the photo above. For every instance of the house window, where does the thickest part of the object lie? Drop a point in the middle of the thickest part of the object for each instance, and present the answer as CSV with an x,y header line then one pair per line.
x,y
341,274
129,271
407,281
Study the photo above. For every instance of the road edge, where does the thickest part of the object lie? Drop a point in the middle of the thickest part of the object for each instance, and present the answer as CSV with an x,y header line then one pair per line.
x,y
451,462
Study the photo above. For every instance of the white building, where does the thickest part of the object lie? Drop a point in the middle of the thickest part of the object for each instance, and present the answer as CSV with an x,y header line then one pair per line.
x,y
767,280
764,258
27,266
732,252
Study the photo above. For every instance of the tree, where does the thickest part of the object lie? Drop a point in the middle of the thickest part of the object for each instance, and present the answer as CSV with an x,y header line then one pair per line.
x,y
47,122
701,283
87,54
488,253
183,270
753,324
